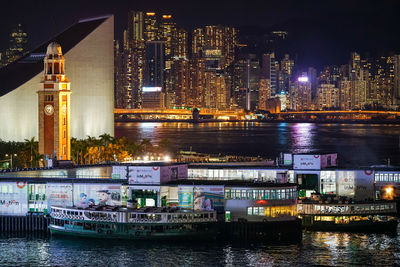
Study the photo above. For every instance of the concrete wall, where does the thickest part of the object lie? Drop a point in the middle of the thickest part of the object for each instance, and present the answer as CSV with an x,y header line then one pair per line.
x,y
90,68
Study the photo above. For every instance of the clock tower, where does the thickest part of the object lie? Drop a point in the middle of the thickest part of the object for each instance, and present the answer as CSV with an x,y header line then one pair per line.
x,y
54,106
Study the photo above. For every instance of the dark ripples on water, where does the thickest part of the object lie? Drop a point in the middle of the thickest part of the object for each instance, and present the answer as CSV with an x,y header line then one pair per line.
x,y
356,144
317,248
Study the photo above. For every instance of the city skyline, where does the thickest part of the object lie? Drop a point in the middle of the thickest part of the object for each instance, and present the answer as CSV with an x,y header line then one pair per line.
x,y
321,33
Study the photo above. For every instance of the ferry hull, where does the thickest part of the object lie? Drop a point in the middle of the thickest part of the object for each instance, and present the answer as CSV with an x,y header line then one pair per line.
x,y
209,234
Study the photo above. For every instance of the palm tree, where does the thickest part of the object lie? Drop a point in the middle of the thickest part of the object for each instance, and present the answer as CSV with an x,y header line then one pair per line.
x,y
146,144
32,148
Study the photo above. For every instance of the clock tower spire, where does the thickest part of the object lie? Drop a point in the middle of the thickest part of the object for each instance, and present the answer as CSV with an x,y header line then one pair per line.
x,y
54,106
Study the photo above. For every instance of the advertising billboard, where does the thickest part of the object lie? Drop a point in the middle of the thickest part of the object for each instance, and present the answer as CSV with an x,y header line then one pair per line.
x,y
345,183
59,195
306,162
13,198
97,194
364,185
328,160
173,172
208,197
185,197
144,175
119,172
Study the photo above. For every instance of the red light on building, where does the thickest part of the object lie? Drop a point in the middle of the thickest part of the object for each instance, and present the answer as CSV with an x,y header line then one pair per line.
x,y
261,201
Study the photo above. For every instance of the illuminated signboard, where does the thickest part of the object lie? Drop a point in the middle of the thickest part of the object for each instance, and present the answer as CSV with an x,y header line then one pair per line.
x,y
302,79
306,162
151,89
212,53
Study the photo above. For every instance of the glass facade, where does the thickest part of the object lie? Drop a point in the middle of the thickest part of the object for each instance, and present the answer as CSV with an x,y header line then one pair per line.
x,y
241,174
261,194
393,177
274,211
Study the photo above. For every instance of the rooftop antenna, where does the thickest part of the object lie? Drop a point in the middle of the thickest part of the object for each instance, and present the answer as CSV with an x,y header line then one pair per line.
x,y
53,29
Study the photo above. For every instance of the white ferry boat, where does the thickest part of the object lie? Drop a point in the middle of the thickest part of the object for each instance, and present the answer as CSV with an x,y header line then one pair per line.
x,y
127,223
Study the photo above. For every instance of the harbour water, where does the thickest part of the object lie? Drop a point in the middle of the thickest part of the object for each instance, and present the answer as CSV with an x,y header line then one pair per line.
x,y
356,144
317,248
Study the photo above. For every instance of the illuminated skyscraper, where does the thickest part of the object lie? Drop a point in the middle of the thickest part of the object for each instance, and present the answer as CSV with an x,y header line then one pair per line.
x,y
180,83
180,44
269,71
300,94
135,25
155,63
264,93
17,45
396,73
327,97
197,74
150,27
198,42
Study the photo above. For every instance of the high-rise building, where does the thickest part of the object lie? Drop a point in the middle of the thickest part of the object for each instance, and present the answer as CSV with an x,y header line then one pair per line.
x,y
151,32
180,44
215,91
155,63
396,73
17,45
198,42
180,95
285,73
327,97
167,29
300,94
197,78
54,105
264,93
135,25
269,71
345,94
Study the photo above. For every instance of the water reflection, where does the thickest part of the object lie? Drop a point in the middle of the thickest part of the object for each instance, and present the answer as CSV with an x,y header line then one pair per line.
x,y
357,144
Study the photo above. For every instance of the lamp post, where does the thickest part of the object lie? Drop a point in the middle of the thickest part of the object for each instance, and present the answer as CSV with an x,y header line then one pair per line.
x,y
11,159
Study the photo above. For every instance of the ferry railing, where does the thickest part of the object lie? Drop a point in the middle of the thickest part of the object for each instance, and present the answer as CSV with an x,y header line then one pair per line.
x,y
346,209
111,216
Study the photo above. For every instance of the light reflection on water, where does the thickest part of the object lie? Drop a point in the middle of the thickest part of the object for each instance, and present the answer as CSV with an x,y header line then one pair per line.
x,y
317,248
356,144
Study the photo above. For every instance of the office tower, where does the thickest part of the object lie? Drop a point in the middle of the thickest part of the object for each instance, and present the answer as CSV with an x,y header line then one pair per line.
x,y
285,73
355,65
135,25
167,29
396,73
217,39
312,76
300,94
180,44
119,93
17,45
197,74
153,98
198,42
264,93
155,63
215,91
327,97
345,94
150,31
269,71
180,95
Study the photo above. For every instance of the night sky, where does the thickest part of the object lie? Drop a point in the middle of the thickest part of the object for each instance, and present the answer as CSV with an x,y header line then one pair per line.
x,y
321,32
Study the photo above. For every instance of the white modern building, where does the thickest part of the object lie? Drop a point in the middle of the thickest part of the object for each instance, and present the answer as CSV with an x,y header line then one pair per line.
x,y
89,57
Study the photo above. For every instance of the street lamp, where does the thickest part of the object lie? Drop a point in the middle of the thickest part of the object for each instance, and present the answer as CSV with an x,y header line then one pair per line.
x,y
11,159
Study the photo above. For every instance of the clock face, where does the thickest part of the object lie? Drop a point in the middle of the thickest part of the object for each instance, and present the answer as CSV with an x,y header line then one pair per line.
x,y
64,109
48,110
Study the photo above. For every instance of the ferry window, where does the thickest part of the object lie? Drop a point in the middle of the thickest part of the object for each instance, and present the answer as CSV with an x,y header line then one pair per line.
x,y
267,194
396,177
273,194
249,194
227,194
206,215
255,193
391,177
386,177
278,194
243,194
283,194
237,194
261,211
261,193
249,211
